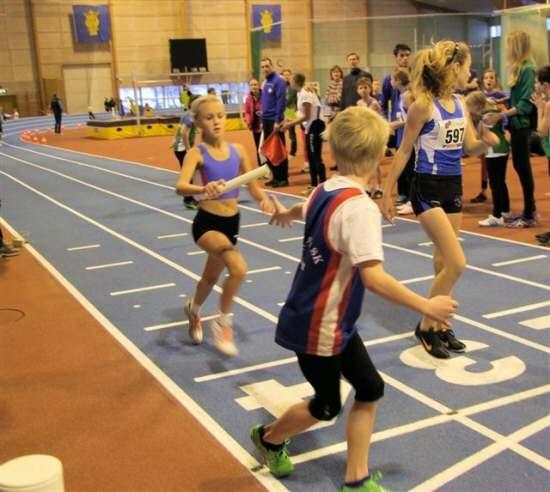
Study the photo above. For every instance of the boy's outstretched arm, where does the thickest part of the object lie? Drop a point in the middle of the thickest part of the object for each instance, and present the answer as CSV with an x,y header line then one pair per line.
x,y
377,280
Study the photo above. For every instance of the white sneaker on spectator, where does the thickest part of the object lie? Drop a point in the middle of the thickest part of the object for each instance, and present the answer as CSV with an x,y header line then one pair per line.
x,y
492,221
405,209
305,169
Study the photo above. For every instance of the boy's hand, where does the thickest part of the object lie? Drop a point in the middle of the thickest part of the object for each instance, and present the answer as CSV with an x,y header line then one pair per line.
x,y
280,216
214,188
388,208
441,309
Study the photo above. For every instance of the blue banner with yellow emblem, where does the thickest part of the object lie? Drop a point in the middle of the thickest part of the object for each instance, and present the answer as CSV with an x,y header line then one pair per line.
x,y
91,23
268,18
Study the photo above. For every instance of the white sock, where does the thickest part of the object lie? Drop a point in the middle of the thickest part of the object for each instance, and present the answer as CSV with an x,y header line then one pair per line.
x,y
225,319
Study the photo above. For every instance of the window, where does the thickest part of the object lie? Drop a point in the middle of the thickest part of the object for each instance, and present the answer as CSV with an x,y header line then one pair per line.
x,y
496,31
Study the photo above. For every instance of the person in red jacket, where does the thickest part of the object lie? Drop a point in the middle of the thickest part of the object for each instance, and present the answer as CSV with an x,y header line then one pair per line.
x,y
253,113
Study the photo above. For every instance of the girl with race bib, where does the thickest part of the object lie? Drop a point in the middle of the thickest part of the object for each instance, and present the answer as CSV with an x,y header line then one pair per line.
x,y
439,129
206,169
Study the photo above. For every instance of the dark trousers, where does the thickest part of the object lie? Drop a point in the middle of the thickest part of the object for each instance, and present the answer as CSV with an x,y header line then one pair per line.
x,y
522,166
280,172
496,168
293,141
57,128
404,180
317,172
180,155
257,136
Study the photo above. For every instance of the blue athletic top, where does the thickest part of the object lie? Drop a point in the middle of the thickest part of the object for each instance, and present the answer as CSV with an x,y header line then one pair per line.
x,y
212,170
439,146
324,302
400,115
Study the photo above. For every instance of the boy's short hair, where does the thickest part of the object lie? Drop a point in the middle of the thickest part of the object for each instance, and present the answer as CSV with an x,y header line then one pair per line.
x,y
357,138
543,74
403,75
401,47
364,81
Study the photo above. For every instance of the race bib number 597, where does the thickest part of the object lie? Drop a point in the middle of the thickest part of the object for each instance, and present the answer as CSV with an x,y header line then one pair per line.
x,y
451,134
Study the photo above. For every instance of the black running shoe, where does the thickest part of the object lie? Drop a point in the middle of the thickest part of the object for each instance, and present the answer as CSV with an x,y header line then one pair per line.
x,y
450,341
431,342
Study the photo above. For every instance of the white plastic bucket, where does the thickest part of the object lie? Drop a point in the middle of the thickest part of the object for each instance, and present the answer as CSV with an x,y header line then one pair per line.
x,y
32,473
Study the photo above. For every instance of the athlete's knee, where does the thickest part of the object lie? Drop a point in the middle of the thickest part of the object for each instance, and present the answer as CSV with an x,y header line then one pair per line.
x,y
236,266
370,388
456,266
325,409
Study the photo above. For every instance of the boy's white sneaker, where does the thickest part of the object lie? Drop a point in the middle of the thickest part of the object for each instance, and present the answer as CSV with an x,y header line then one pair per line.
x,y
492,221
405,209
223,338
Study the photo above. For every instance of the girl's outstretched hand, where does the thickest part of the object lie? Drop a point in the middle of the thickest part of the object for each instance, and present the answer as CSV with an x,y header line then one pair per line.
x,y
387,208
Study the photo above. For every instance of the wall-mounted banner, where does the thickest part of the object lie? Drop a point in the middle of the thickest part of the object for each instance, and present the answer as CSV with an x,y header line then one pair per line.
x,y
91,23
268,17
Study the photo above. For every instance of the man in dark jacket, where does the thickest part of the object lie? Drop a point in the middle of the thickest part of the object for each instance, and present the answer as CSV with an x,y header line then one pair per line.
x,y
349,87
57,109
273,108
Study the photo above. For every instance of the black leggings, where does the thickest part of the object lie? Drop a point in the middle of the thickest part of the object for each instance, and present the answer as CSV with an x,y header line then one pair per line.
x,y
324,374
522,165
496,168
404,180
257,136
317,171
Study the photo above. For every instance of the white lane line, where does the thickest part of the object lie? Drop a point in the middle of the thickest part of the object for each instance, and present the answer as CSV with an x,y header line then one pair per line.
x,y
81,248
387,225
288,360
520,309
262,270
258,224
175,266
288,239
270,250
280,303
215,429
429,243
505,442
519,260
504,334
474,268
109,265
142,289
174,324
195,253
416,279
541,323
169,236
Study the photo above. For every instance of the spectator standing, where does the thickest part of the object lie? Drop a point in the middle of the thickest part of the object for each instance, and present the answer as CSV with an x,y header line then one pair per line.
x,y
349,86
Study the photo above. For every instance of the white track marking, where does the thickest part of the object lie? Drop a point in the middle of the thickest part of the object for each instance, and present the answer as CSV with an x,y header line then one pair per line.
x,y
520,309
540,323
416,279
239,300
519,260
262,270
258,224
504,334
505,442
109,265
474,268
142,289
81,248
215,429
288,360
289,239
170,236
174,324
195,253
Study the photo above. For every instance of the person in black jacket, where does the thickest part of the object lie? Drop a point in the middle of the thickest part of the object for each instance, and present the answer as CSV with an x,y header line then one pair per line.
x,y
57,109
349,87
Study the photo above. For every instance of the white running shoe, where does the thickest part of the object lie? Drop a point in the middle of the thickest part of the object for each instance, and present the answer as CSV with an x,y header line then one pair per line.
x,y
195,325
223,338
405,209
492,221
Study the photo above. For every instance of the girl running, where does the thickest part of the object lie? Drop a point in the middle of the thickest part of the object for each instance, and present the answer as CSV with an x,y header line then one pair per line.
x,y
438,126
216,224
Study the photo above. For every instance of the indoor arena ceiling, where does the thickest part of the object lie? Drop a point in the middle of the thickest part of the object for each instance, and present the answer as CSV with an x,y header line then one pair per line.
x,y
472,5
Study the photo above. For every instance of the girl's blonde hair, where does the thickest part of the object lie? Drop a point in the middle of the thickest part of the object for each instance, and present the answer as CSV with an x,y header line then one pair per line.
x,y
479,100
197,103
431,73
518,51
357,137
